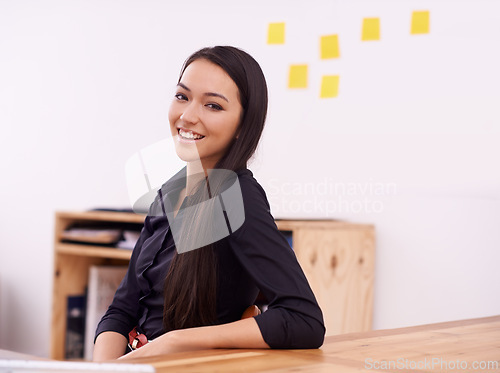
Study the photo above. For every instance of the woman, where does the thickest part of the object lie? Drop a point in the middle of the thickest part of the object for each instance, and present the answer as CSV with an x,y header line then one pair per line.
x,y
194,298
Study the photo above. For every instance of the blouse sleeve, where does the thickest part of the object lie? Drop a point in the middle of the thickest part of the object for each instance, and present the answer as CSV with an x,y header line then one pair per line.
x,y
121,316
293,318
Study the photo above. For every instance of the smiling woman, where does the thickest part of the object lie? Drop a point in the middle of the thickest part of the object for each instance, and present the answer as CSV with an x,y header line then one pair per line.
x,y
179,300
205,113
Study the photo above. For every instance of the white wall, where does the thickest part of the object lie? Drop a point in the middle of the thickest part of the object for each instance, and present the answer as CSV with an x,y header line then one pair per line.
x,y
412,137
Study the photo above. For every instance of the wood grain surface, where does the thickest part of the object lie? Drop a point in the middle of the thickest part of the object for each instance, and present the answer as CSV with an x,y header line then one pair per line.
x,y
461,346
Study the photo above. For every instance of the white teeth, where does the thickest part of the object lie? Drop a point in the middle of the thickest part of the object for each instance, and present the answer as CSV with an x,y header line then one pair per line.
x,y
189,135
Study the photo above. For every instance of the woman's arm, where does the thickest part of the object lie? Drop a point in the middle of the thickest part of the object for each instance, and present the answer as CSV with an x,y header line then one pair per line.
x,y
120,318
293,318
238,334
109,346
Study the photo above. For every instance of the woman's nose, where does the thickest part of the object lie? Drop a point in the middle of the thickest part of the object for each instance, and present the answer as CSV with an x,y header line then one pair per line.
x,y
190,114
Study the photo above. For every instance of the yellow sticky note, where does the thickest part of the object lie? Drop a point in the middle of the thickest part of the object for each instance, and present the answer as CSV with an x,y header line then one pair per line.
x,y
276,33
330,46
371,29
329,86
420,22
297,77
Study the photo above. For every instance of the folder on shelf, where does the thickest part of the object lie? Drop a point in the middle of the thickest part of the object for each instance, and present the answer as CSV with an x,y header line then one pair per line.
x,y
103,282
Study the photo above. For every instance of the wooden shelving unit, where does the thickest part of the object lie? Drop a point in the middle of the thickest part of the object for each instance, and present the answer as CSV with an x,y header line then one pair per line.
x,y
337,259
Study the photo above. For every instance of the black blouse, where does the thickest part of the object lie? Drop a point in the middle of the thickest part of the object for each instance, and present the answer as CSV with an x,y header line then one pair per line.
x,y
254,257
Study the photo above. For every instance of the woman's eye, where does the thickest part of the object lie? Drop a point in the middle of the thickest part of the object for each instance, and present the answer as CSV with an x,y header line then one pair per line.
x,y
214,106
180,96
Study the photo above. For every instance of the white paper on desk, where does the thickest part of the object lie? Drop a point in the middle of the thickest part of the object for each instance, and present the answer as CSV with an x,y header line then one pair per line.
x,y
103,282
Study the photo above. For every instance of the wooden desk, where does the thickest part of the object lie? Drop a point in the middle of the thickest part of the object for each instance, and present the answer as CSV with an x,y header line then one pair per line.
x,y
426,348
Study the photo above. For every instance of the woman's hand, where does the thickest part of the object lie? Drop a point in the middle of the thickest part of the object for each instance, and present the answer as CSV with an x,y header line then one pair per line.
x,y
251,312
165,344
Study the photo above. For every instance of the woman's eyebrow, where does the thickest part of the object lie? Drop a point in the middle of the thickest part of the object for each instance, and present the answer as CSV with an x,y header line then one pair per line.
x,y
211,94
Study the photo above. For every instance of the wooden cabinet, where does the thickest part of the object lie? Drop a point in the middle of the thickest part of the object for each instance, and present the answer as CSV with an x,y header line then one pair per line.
x,y
337,258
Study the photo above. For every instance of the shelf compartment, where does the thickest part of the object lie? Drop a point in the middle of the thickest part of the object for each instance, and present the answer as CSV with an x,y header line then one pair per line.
x,y
93,251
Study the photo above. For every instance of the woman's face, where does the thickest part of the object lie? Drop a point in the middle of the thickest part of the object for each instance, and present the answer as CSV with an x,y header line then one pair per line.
x,y
205,113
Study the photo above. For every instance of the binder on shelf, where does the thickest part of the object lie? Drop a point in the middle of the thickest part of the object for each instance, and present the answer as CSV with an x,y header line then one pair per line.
x,y
103,282
75,330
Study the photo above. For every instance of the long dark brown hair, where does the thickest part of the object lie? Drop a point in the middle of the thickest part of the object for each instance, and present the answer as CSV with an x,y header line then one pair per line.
x,y
190,286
